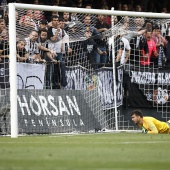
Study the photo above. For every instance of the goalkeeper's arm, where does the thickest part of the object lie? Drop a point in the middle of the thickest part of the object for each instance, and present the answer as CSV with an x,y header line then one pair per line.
x,y
152,129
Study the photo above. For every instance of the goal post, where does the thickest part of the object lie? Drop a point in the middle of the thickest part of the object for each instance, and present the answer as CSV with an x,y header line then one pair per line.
x,y
101,116
12,29
90,11
113,62
13,72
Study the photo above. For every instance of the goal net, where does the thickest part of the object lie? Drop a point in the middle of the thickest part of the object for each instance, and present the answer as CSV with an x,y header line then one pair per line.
x,y
69,73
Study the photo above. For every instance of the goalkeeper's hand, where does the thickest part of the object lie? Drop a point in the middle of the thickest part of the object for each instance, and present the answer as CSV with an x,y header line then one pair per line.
x,y
144,130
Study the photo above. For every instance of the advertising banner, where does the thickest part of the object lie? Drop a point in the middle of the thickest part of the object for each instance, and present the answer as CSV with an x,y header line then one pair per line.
x,y
53,111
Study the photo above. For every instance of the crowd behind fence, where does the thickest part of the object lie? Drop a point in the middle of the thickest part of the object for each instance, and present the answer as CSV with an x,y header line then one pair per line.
x,y
66,39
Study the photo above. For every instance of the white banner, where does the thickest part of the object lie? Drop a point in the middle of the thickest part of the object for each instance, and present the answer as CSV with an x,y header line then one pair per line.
x,y
142,77
30,76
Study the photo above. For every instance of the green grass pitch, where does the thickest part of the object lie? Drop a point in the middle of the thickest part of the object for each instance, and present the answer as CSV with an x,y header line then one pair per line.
x,y
100,151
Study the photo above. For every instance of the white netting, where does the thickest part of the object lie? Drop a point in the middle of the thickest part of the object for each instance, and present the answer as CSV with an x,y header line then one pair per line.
x,y
72,72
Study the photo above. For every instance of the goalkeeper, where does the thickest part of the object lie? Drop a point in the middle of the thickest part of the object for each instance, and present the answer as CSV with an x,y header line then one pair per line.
x,y
150,124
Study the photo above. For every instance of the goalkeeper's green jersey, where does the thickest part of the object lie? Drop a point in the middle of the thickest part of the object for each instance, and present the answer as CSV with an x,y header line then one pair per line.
x,y
153,125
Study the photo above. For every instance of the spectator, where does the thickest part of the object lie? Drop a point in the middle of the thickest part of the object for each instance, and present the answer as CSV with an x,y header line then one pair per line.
x,y
55,35
164,10
79,3
65,40
17,18
125,7
42,25
139,22
131,5
56,2
115,20
54,13
3,30
117,45
48,14
4,49
29,13
37,17
131,34
32,48
5,16
91,49
88,6
119,6
126,21
137,41
88,26
66,19
103,3
139,47
48,54
94,4
94,33
74,17
22,54
27,23
138,8
76,55
123,52
145,60
4,62
92,16
148,25
43,44
101,27
128,35
161,43
168,47
107,18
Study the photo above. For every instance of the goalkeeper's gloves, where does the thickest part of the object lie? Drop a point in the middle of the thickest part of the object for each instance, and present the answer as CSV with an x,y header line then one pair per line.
x,y
144,130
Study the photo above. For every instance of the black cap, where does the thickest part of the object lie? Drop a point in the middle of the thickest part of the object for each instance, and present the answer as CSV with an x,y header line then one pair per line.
x,y
43,22
156,27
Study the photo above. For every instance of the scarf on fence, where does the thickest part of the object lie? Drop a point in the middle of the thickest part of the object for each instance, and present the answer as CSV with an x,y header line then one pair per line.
x,y
160,56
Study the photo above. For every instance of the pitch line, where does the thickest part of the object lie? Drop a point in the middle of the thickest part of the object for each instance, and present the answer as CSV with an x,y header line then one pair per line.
x,y
116,143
